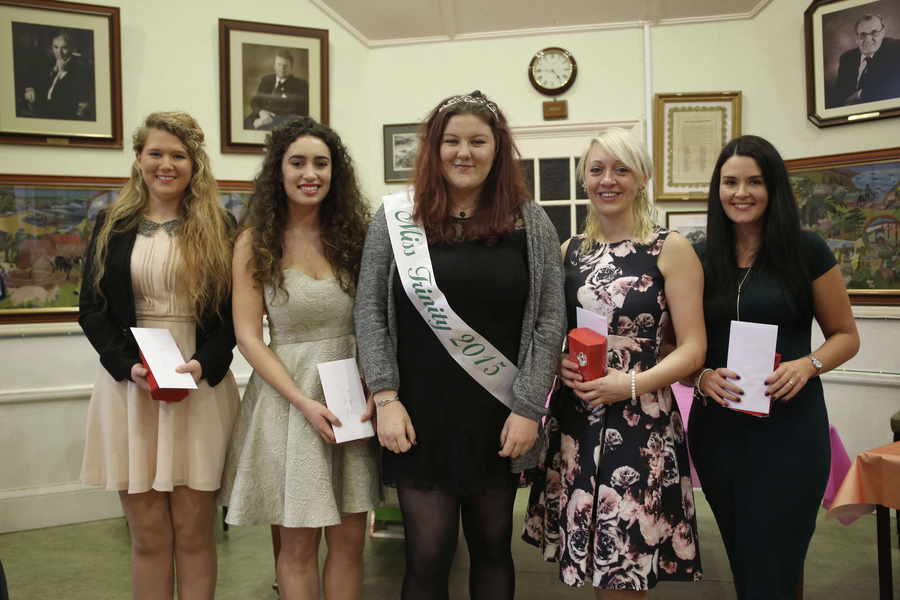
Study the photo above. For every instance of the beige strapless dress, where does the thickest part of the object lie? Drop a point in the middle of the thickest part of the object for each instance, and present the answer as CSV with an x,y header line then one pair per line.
x,y
279,471
136,443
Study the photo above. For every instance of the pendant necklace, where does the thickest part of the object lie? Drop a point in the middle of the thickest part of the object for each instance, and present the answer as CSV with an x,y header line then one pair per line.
x,y
737,304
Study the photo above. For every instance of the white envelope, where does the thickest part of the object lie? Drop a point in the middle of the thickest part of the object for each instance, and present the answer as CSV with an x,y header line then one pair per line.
x,y
345,397
162,356
591,320
751,354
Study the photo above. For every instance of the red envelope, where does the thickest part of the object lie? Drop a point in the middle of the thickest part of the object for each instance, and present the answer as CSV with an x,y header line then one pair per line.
x,y
162,394
588,349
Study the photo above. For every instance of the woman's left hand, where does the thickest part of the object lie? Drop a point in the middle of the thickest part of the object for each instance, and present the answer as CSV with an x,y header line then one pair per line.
x,y
518,435
193,367
615,386
789,378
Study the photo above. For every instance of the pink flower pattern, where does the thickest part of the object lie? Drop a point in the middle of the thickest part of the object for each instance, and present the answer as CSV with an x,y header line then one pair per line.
x,y
613,503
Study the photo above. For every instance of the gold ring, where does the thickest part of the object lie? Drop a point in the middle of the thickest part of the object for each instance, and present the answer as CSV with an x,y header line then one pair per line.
x,y
790,382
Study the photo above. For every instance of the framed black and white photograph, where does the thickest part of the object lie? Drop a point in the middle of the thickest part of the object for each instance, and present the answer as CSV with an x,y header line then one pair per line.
x,y
852,61
61,67
689,223
269,74
401,142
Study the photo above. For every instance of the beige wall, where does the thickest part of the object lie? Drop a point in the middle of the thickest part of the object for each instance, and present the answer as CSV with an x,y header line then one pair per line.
x,y
170,60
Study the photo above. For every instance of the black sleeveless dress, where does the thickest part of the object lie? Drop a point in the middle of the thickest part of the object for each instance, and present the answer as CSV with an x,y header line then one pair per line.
x,y
615,506
457,422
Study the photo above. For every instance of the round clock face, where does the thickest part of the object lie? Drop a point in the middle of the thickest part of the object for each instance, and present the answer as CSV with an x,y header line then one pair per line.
x,y
552,71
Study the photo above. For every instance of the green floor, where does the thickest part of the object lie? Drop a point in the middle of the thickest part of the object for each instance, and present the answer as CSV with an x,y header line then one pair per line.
x,y
90,562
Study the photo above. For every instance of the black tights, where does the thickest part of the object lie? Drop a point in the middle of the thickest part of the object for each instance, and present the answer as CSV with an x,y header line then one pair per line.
x,y
431,519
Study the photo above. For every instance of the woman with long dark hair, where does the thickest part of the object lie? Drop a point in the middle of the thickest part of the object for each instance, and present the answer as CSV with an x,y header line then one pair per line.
x,y
459,319
764,477
160,257
296,261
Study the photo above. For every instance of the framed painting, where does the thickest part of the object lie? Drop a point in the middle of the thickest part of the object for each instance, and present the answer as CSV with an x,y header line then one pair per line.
x,y
45,226
269,74
853,201
61,62
400,145
689,223
690,131
852,61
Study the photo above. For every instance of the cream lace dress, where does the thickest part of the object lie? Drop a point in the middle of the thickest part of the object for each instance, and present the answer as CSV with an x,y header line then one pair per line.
x,y
136,443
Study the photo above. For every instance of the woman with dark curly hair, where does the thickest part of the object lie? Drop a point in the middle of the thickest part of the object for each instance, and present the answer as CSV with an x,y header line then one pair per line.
x,y
460,319
297,261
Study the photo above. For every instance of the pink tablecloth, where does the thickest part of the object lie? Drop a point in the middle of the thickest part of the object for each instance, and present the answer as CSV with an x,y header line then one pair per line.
x,y
683,396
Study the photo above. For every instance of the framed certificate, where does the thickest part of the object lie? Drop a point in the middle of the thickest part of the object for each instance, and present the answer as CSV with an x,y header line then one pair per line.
x,y
690,131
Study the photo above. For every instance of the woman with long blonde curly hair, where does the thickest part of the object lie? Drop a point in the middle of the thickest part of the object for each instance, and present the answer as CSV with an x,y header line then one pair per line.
x,y
160,257
296,261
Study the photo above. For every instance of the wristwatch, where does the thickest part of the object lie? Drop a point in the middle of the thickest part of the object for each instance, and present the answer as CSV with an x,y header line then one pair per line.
x,y
382,402
816,363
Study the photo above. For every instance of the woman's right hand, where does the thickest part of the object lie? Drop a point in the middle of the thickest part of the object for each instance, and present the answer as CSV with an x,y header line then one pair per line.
x,y
139,376
717,384
568,371
395,430
320,418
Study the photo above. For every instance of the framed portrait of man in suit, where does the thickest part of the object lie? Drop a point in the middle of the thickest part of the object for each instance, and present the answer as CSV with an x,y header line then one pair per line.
x,y
269,74
852,61
60,67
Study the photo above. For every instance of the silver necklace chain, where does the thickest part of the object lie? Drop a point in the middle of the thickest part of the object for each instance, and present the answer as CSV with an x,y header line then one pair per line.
x,y
737,304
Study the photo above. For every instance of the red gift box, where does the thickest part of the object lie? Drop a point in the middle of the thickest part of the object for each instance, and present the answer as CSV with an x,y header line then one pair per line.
x,y
588,349
162,394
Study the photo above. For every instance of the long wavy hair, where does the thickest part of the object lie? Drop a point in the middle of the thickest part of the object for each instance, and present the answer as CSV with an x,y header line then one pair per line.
x,y
205,236
625,147
780,252
504,191
343,215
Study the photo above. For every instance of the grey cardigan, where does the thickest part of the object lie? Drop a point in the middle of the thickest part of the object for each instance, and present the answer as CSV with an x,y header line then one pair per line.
x,y
543,326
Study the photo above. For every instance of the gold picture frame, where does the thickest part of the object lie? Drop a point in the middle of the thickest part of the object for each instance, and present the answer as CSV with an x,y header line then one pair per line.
x,y
45,226
690,130
849,199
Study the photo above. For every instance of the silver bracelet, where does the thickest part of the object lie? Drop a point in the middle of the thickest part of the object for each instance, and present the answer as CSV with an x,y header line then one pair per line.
x,y
700,378
633,386
385,402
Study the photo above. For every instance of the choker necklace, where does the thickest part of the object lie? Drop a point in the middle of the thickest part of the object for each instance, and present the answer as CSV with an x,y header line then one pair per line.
x,y
737,304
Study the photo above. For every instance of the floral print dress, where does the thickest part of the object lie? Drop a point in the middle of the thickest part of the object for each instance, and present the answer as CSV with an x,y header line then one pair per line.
x,y
612,501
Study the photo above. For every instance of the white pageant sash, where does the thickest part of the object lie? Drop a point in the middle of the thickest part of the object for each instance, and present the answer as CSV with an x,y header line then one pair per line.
x,y
472,351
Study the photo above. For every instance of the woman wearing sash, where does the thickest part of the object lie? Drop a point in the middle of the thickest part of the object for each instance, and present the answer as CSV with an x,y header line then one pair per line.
x,y
760,266
615,505
160,257
459,335
296,262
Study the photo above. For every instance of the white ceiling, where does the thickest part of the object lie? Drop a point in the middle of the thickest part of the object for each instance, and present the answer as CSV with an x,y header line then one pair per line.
x,y
395,22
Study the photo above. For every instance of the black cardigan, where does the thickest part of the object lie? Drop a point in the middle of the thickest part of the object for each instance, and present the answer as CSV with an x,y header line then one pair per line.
x,y
106,319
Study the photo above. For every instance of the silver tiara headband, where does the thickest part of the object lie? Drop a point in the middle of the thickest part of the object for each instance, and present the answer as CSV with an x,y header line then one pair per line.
x,y
470,99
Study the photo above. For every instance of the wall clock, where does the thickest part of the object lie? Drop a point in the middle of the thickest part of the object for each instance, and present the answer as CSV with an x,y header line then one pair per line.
x,y
552,71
